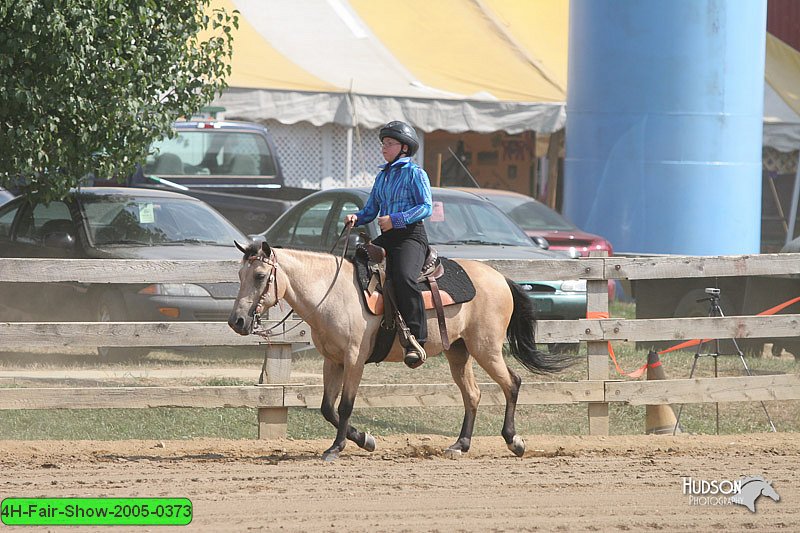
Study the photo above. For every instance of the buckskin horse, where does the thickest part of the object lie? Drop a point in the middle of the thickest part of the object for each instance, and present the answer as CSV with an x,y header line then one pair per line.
x,y
323,290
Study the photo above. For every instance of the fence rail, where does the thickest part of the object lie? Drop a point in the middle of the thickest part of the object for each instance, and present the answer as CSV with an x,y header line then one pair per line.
x,y
274,398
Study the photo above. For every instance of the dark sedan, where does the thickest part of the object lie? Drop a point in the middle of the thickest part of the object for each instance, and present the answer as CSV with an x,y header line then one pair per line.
x,y
116,223
462,225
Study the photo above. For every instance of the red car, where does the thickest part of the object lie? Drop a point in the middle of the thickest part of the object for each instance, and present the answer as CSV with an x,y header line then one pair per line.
x,y
538,220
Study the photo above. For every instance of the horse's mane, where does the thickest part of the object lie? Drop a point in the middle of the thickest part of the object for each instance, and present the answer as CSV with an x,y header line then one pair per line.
x,y
308,253
254,249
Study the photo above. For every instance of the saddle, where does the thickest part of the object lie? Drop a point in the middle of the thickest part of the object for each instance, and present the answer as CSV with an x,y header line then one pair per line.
x,y
442,282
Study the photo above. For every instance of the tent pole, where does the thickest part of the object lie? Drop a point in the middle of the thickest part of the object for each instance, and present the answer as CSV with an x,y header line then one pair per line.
x,y
795,193
348,165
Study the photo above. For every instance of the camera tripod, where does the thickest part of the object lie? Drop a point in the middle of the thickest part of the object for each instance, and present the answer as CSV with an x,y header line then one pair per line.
x,y
714,309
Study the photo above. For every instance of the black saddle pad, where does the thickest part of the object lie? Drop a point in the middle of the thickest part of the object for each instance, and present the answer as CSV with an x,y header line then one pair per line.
x,y
454,282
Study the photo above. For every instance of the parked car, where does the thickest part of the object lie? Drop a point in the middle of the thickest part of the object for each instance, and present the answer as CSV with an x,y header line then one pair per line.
x,y
214,153
463,225
117,223
232,166
539,221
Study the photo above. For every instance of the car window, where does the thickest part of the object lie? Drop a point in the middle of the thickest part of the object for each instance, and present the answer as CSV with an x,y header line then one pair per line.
x,y
155,221
458,220
207,152
307,232
36,223
7,214
531,215
348,208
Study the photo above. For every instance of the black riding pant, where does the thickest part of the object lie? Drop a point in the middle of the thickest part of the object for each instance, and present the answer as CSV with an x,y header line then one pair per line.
x,y
406,249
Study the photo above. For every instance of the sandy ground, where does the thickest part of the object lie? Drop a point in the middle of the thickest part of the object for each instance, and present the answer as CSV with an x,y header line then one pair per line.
x,y
625,483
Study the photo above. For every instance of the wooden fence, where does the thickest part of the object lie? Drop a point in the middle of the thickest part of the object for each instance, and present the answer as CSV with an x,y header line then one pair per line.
x,y
276,396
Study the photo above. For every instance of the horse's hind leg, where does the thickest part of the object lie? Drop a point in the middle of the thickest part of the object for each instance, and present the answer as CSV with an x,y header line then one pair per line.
x,y
333,378
461,370
494,365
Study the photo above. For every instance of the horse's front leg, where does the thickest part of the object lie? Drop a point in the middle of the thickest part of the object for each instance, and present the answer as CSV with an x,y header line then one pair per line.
x,y
333,379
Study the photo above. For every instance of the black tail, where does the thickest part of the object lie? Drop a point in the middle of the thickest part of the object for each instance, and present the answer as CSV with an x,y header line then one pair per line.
x,y
521,339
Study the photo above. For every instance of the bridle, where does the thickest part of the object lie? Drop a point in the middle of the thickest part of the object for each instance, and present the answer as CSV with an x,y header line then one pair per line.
x,y
272,261
272,280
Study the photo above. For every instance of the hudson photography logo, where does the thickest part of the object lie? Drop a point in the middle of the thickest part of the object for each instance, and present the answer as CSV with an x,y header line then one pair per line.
x,y
744,491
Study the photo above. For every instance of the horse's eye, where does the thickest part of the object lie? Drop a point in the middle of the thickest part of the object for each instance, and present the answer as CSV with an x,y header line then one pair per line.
x,y
260,277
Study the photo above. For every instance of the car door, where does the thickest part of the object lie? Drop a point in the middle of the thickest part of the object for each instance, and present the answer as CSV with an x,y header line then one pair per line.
x,y
42,232
12,300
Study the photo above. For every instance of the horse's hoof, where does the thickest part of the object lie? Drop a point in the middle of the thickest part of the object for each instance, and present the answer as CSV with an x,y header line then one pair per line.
x,y
452,453
517,446
330,455
369,443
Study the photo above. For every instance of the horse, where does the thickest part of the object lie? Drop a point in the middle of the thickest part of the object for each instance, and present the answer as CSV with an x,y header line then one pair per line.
x,y
323,290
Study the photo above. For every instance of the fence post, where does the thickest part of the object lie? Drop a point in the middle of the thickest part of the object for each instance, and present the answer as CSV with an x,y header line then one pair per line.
x,y
277,369
597,351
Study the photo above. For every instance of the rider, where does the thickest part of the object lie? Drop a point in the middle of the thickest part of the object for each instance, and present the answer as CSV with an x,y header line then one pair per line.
x,y
401,199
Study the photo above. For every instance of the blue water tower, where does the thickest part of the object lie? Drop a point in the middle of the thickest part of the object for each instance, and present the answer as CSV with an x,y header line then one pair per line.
x,y
664,124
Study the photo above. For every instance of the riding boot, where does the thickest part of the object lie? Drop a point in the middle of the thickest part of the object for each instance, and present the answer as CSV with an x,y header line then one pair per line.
x,y
415,353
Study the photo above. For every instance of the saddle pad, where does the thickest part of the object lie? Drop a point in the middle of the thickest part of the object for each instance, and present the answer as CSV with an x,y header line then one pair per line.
x,y
454,284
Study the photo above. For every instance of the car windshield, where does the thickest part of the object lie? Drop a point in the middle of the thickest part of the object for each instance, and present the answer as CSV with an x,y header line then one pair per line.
x,y
144,221
467,221
211,152
530,215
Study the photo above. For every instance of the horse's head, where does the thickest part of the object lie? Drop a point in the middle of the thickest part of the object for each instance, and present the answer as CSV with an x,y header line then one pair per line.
x,y
768,491
259,287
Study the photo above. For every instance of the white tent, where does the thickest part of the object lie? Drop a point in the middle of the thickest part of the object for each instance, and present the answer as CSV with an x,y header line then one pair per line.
x,y
782,109
781,96
455,65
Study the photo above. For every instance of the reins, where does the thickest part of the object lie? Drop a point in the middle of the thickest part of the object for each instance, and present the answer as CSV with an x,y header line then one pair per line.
x,y
272,260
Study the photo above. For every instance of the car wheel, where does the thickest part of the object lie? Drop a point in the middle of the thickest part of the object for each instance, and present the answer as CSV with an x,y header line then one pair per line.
x,y
111,308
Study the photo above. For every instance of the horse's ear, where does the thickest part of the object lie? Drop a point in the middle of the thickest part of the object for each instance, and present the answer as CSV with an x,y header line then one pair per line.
x,y
265,247
240,247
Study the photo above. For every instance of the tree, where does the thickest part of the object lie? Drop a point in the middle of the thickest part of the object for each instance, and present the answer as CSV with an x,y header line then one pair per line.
x,y
89,84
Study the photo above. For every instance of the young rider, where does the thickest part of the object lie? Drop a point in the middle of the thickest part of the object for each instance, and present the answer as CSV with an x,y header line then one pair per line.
x,y
401,199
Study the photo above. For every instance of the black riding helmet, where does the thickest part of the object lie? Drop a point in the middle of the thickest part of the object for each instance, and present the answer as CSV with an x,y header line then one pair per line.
x,y
401,132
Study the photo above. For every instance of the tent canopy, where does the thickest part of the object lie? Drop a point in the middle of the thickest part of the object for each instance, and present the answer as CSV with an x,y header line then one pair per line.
x,y
456,65
782,96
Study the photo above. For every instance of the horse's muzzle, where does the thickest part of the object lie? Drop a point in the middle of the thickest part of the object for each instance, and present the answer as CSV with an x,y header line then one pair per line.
x,y
243,325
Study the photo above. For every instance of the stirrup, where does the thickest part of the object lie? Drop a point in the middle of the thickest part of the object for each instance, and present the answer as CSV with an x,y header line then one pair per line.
x,y
415,354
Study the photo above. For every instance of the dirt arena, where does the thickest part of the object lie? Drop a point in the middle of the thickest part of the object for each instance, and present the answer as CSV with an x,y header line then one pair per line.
x,y
626,483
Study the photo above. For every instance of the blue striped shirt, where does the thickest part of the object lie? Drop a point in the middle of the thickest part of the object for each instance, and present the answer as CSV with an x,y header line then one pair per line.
x,y
401,191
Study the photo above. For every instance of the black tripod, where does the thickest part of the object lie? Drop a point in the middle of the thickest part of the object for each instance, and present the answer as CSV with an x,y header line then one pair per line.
x,y
714,309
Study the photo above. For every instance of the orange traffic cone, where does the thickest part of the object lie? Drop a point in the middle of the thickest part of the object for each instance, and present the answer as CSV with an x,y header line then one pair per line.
x,y
660,419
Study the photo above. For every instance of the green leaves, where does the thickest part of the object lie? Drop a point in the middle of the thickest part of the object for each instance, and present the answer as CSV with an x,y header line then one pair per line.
x,y
89,84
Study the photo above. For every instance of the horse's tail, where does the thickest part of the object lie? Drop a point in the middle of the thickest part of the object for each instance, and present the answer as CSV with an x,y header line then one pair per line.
x,y
521,339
